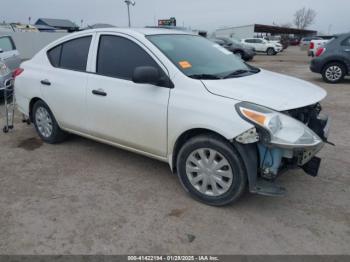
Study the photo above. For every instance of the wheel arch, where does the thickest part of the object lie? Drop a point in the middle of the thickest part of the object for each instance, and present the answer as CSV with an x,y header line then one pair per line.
x,y
346,66
31,106
248,153
185,136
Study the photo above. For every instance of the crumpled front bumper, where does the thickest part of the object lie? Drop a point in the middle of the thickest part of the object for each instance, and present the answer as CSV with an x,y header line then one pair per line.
x,y
274,160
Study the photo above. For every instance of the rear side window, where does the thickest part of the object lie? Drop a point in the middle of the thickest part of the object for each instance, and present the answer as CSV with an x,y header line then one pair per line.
x,y
118,57
6,44
71,55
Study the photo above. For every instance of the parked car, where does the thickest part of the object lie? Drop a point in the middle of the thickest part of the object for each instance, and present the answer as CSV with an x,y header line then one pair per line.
x,y
8,53
315,45
5,78
305,42
333,60
263,46
220,123
281,40
294,41
246,53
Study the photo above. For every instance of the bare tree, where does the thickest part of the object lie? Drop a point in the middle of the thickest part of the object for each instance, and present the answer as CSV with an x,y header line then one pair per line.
x,y
304,17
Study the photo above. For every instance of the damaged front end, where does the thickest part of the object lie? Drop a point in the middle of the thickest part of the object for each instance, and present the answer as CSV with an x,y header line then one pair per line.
x,y
283,141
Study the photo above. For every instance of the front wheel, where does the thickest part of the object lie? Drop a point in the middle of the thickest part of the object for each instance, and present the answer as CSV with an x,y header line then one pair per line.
x,y
270,51
46,124
333,73
211,170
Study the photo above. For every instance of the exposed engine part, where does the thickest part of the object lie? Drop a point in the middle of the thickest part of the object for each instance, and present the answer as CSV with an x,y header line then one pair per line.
x,y
270,161
249,137
305,114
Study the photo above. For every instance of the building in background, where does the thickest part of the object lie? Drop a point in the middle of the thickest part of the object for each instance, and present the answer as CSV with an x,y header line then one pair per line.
x,y
60,25
257,30
18,27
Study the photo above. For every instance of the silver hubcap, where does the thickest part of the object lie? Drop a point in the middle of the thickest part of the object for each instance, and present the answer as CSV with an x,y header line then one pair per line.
x,y
334,73
43,122
209,172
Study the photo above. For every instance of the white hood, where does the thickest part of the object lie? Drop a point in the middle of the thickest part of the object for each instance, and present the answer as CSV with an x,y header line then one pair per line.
x,y
276,91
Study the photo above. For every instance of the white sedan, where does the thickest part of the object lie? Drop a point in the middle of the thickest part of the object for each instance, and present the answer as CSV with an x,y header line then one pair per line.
x,y
221,124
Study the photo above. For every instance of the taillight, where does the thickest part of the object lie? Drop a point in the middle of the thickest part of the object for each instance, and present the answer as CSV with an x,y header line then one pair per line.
x,y
312,45
17,72
320,51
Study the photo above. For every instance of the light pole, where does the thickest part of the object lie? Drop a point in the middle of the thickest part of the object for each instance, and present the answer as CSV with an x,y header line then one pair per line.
x,y
128,3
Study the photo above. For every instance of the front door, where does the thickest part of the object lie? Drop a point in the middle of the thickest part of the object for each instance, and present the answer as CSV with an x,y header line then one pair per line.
x,y
119,110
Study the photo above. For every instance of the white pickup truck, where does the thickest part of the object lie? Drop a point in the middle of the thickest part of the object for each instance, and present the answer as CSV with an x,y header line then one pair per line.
x,y
314,45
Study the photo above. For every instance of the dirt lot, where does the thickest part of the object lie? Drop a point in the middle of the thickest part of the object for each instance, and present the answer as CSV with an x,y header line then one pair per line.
x,y
82,197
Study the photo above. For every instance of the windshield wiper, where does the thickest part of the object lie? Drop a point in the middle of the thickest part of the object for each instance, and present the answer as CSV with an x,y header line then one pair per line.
x,y
204,76
238,73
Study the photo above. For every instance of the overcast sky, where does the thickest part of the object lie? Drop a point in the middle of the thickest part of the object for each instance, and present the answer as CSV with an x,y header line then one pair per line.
x,y
199,14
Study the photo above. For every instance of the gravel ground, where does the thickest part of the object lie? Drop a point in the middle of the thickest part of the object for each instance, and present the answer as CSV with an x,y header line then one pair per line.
x,y
82,197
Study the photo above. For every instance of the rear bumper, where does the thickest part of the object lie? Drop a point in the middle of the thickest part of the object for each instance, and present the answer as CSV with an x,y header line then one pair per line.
x,y
316,66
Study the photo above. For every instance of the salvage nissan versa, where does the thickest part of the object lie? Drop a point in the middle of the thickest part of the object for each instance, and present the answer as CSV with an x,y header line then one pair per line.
x,y
221,124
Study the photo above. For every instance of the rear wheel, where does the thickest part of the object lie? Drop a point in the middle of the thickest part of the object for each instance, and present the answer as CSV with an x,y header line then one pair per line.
x,y
333,72
211,170
46,124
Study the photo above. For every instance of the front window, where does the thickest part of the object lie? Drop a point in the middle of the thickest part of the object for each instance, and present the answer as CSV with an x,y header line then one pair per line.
x,y
200,58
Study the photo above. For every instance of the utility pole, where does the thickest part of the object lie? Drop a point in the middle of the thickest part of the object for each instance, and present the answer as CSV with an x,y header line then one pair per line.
x,y
128,3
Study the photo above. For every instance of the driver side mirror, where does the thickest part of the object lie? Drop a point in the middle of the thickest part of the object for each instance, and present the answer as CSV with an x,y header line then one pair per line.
x,y
149,75
1,51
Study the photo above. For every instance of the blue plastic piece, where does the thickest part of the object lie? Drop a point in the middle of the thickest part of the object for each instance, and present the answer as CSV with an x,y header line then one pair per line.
x,y
270,158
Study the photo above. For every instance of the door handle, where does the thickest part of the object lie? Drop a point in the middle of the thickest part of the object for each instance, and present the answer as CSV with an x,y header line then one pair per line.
x,y
99,92
45,82
347,50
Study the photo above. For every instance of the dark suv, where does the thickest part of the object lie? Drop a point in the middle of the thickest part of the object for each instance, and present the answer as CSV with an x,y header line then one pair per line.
x,y
245,52
333,60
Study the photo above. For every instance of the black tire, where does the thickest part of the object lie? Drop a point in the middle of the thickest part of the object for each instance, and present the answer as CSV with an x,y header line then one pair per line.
x,y
223,147
57,135
270,51
336,77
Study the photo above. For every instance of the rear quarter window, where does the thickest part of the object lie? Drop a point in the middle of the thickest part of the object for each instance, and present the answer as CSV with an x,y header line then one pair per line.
x,y
72,55
54,55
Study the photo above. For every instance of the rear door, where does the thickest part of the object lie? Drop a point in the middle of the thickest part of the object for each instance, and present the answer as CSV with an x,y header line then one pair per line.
x,y
64,82
260,45
8,52
251,42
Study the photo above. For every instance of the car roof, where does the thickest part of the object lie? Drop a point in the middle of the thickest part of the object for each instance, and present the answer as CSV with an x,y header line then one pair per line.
x,y
143,31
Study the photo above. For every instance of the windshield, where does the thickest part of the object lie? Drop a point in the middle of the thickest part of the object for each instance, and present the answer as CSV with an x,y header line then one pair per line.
x,y
196,56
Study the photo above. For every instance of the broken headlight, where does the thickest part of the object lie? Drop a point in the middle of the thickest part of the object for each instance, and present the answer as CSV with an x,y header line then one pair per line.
x,y
277,128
